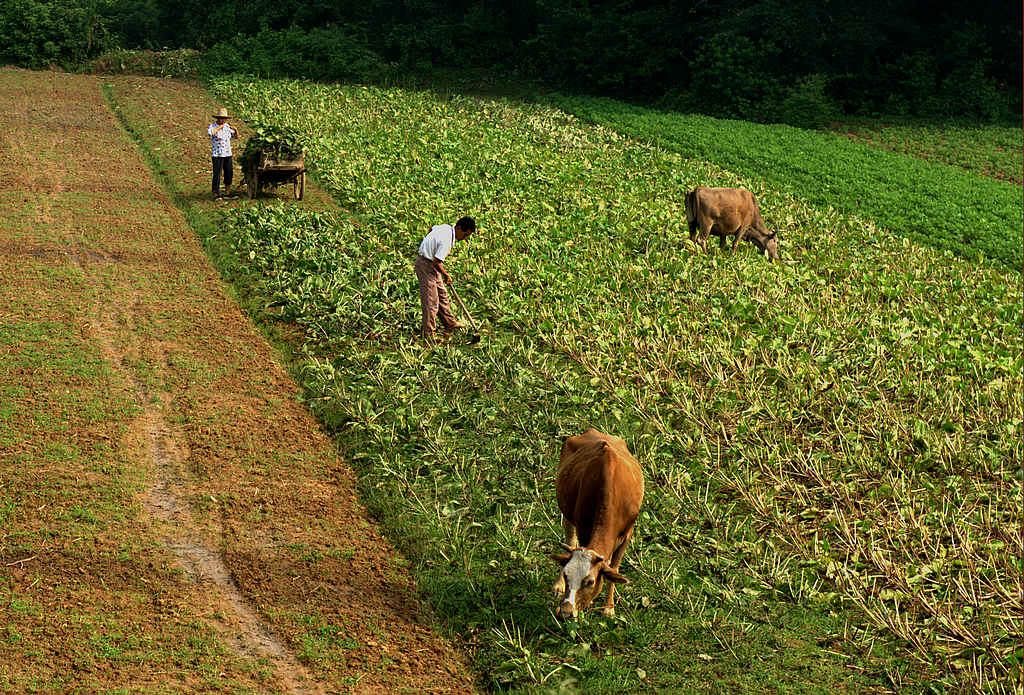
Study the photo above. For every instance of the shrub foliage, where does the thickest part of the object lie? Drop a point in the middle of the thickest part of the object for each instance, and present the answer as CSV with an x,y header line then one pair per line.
x,y
761,60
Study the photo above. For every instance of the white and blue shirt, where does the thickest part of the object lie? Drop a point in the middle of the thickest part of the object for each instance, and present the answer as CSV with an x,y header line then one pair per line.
x,y
220,142
437,244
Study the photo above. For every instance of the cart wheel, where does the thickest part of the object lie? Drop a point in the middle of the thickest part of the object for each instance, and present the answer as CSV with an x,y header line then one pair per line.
x,y
300,186
251,183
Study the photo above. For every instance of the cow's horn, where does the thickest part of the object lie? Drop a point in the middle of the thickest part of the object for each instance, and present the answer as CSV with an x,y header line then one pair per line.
x,y
567,547
771,236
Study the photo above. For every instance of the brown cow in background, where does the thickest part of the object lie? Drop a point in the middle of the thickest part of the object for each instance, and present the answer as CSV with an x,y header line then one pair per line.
x,y
725,211
599,489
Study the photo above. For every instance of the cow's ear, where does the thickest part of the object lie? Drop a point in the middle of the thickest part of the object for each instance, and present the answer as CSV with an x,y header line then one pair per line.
x,y
570,446
561,558
613,576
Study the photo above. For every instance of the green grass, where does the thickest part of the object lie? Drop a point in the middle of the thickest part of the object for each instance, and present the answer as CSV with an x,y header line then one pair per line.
x,y
932,203
990,150
811,431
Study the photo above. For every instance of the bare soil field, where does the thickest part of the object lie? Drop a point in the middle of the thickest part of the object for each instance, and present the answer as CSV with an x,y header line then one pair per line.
x,y
172,519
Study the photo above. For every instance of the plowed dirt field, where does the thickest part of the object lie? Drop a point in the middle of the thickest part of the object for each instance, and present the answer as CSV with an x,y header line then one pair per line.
x,y
172,519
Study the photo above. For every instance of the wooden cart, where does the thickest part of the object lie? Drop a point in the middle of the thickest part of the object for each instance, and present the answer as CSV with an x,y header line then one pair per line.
x,y
268,171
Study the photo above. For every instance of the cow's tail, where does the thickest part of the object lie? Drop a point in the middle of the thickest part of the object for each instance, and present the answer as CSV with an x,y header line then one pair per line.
x,y
691,206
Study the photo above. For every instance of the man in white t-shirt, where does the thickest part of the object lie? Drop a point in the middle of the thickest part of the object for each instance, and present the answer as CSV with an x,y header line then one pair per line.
x,y
221,133
432,274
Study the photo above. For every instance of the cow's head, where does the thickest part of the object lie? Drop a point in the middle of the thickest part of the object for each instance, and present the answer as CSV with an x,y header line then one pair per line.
x,y
583,572
767,243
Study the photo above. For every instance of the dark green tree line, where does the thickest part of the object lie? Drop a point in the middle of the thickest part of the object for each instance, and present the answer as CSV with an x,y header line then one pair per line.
x,y
755,59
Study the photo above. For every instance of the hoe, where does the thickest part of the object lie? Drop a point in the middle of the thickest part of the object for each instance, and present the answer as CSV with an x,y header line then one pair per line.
x,y
475,338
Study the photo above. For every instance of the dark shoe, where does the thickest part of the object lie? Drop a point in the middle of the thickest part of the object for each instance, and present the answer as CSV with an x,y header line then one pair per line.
x,y
454,326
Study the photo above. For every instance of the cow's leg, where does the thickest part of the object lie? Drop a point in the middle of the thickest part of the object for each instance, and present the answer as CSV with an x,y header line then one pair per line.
x,y
721,242
705,232
740,233
570,533
570,540
609,605
693,230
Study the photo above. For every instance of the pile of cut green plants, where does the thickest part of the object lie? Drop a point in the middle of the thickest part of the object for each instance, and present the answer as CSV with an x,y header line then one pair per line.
x,y
272,141
845,443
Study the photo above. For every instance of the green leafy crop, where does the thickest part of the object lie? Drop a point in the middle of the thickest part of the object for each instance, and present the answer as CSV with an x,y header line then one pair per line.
x,y
990,150
932,203
831,438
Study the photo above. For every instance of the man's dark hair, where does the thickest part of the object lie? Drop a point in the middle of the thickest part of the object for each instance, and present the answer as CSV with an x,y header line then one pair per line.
x,y
467,224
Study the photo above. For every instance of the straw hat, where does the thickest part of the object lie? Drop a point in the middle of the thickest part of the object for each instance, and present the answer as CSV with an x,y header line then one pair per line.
x,y
221,113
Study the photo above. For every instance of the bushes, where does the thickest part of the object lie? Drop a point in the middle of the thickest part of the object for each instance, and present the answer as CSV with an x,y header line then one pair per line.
x,y
796,62
36,33
808,104
966,91
329,53
730,79
184,62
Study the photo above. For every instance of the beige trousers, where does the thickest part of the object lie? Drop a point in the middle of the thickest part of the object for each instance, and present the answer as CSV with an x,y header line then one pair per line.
x,y
433,296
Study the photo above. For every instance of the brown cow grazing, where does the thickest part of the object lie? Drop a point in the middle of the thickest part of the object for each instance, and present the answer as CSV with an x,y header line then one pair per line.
x,y
725,211
599,489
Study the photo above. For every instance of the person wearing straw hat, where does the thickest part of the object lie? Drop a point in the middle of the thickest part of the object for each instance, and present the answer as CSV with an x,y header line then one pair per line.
x,y
221,134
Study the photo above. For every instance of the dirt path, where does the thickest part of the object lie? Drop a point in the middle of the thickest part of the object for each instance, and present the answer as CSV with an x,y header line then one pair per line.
x,y
230,538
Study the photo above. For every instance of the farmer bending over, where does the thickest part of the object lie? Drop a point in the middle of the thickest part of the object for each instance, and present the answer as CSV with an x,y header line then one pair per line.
x,y
430,270
221,134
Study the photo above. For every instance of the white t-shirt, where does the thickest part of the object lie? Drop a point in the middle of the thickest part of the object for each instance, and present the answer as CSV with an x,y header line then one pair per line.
x,y
220,142
437,244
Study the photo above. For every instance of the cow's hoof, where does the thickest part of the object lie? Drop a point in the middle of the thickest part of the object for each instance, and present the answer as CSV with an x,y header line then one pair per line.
x,y
608,612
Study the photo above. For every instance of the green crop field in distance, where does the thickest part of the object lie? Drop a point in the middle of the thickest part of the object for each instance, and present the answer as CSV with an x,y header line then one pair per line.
x,y
991,150
932,203
831,443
